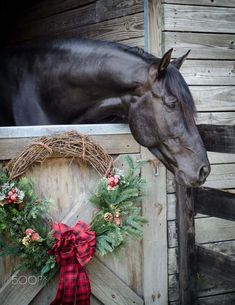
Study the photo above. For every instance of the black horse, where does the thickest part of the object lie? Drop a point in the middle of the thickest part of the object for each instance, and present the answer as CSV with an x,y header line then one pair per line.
x,y
84,81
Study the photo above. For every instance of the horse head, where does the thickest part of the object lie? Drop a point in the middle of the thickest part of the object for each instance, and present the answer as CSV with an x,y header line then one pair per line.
x,y
161,118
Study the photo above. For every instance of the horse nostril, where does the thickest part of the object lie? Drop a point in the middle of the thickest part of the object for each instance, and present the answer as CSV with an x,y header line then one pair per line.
x,y
203,173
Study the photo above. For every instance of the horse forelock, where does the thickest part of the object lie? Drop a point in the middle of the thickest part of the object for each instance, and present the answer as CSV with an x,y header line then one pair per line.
x,y
176,85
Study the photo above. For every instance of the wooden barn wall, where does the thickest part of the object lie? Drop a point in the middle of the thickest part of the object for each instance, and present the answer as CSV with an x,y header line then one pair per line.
x,y
102,19
207,27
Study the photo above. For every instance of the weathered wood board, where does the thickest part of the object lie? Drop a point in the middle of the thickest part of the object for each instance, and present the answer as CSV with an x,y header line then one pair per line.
x,y
105,9
117,29
225,247
202,45
222,176
209,72
224,3
215,118
209,229
216,98
205,19
38,10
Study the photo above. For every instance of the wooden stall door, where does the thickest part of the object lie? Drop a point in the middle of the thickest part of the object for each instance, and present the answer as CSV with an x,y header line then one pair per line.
x,y
139,274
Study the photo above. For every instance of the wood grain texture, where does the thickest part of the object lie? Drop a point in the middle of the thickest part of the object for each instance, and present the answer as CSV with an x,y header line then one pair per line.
x,y
171,207
202,45
216,98
134,42
114,30
226,248
228,3
186,245
214,202
222,176
216,118
110,9
94,301
207,230
108,290
44,8
207,286
223,299
198,18
209,72
113,144
56,23
216,263
155,235
219,138
220,158
104,9
154,18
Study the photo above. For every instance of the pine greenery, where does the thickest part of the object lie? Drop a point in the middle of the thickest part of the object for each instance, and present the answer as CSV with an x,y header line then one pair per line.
x,y
124,199
14,221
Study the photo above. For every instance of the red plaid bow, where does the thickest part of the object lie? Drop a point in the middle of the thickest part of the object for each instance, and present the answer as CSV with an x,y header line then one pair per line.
x,y
73,249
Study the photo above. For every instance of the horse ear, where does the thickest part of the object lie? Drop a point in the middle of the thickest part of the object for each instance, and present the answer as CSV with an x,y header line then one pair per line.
x,y
179,61
157,68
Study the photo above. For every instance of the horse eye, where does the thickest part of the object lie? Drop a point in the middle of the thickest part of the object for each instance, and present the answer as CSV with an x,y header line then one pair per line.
x,y
172,104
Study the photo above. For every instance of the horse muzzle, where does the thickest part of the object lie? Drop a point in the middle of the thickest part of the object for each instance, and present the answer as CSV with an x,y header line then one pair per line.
x,y
190,179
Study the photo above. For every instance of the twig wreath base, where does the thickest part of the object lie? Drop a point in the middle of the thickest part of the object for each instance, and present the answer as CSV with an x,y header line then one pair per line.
x,y
69,144
25,223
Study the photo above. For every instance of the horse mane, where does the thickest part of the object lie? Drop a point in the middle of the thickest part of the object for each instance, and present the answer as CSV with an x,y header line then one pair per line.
x,y
176,85
140,53
173,80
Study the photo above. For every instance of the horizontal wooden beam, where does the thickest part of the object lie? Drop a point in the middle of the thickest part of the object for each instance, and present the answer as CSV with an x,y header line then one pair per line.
x,y
218,138
216,98
189,18
113,144
209,72
214,202
225,3
216,262
45,130
222,176
208,230
202,45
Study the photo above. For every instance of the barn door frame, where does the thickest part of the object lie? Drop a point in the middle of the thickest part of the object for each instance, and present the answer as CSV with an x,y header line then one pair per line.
x,y
155,206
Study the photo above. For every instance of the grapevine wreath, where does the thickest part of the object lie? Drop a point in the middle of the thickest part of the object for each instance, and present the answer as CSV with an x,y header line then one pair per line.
x,y
43,246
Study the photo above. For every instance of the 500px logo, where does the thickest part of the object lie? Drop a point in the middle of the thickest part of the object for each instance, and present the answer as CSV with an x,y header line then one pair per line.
x,y
23,280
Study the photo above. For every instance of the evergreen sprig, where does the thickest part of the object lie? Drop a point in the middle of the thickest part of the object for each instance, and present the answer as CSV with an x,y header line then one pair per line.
x,y
18,216
123,199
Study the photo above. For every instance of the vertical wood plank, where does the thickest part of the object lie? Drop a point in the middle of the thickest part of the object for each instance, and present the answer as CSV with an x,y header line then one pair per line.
x,y
155,278
186,238
155,282
154,27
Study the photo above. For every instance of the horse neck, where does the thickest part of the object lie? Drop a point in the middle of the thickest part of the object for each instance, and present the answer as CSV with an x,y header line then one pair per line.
x,y
111,72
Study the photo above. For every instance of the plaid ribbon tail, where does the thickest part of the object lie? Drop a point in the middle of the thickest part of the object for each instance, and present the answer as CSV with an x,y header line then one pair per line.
x,y
73,249
74,287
